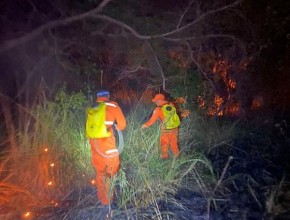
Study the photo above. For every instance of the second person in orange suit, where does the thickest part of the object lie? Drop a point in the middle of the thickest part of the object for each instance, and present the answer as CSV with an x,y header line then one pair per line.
x,y
168,137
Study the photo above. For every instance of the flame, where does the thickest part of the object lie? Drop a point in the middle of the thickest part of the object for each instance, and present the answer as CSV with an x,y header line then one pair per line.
x,y
233,108
180,100
52,164
215,109
218,101
214,69
211,111
201,102
232,84
27,214
221,67
257,102
54,203
50,183
185,113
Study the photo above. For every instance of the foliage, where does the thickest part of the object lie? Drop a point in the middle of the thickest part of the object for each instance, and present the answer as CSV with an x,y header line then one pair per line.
x,y
112,46
208,135
193,85
144,177
59,156
58,153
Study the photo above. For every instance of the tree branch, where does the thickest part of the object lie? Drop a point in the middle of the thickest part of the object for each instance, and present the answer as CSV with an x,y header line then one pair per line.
x,y
183,14
124,25
93,13
203,36
200,68
231,37
52,24
199,18
159,66
147,37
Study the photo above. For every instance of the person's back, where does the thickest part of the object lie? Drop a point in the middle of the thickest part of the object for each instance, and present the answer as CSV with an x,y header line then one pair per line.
x,y
114,114
171,119
105,155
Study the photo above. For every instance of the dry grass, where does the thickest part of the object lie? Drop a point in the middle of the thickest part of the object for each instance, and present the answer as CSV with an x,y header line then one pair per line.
x,y
53,162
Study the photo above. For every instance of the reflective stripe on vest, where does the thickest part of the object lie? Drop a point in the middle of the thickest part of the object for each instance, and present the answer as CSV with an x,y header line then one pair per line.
x,y
109,122
110,104
112,151
113,105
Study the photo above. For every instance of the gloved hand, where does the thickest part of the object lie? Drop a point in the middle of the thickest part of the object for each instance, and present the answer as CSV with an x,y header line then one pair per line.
x,y
144,126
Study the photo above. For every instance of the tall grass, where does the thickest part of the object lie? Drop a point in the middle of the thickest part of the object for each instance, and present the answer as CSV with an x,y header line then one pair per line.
x,y
53,161
144,178
208,133
53,158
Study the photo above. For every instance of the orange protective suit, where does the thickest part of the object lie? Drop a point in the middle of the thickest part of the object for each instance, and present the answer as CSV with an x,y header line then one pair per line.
x,y
105,156
168,138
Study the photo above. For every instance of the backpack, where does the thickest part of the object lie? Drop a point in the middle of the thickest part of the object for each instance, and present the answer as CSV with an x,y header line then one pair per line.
x,y
95,123
172,120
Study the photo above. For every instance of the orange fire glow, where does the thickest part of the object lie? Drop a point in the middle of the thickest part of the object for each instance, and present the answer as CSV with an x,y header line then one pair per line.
x,y
180,100
215,108
27,215
179,103
232,84
218,101
54,203
201,102
257,102
50,183
221,68
233,108
185,113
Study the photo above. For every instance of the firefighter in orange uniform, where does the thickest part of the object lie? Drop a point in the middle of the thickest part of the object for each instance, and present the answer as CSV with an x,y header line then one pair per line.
x,y
168,137
105,155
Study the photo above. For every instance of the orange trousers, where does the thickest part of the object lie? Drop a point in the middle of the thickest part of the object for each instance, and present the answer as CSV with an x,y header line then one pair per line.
x,y
168,139
106,164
